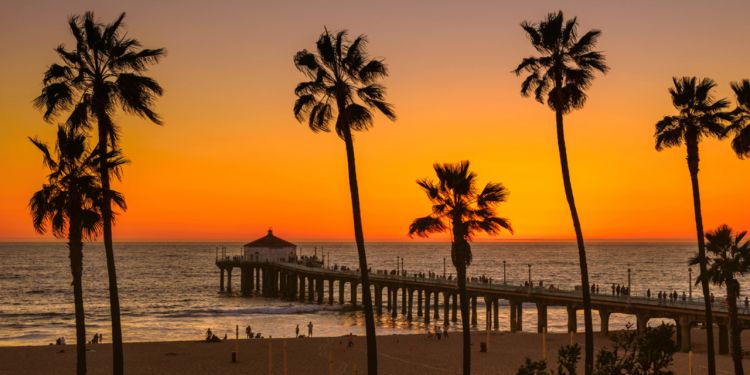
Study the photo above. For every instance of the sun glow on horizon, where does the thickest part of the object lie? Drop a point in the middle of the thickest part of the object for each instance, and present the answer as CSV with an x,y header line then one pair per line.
x,y
231,160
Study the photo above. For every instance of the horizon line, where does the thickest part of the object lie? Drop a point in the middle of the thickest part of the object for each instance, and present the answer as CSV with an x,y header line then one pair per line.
x,y
339,240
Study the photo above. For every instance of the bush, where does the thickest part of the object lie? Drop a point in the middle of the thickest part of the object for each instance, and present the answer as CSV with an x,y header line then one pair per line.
x,y
632,353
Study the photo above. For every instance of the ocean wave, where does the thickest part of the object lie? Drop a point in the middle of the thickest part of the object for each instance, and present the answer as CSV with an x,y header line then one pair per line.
x,y
260,310
35,315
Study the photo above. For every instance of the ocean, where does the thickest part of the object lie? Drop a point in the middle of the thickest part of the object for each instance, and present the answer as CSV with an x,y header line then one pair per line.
x,y
170,291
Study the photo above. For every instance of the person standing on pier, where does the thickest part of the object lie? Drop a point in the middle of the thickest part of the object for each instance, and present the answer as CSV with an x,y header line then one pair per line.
x,y
309,329
296,331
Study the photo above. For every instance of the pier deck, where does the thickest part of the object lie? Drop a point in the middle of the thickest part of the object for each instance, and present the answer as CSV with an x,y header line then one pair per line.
x,y
295,281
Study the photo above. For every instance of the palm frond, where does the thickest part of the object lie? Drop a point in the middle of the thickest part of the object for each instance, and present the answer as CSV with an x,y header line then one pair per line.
x,y
339,70
424,226
137,94
566,65
456,205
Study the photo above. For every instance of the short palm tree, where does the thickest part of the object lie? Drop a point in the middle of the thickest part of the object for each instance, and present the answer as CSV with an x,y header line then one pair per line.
x,y
728,257
460,209
343,84
67,204
741,122
560,75
102,73
700,115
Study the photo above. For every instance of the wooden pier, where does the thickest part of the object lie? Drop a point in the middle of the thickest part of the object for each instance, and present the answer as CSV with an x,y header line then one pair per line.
x,y
295,281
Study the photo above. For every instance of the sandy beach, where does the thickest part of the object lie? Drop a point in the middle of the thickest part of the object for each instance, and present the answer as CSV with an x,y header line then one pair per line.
x,y
398,354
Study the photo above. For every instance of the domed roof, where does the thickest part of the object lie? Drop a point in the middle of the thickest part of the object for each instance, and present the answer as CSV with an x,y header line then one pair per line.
x,y
270,241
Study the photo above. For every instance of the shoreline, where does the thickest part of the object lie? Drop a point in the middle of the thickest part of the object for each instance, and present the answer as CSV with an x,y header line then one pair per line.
x,y
402,354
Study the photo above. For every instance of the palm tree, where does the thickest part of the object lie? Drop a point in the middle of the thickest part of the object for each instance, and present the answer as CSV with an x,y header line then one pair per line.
x,y
102,73
741,122
343,82
728,257
699,116
560,75
463,211
67,204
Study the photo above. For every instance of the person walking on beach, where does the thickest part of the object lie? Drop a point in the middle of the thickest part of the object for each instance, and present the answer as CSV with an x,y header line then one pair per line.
x,y
296,331
309,329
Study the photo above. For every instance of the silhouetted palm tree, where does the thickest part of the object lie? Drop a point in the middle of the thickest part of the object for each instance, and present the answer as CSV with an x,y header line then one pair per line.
x,y
699,116
560,75
463,211
343,83
67,204
102,73
728,257
741,122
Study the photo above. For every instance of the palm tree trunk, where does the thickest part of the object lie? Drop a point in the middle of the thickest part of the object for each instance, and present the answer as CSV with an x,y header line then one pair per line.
x,y
75,247
461,279
589,327
372,351
734,329
106,208
693,160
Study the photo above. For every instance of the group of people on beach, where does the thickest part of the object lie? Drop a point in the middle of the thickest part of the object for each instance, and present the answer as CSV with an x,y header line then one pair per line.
x,y
309,330
439,333
97,339
211,337
250,335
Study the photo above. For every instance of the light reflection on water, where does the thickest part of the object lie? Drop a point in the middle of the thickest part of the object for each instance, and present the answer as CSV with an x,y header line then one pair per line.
x,y
169,291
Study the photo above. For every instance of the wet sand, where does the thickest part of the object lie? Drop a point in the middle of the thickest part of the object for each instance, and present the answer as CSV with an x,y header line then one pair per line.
x,y
398,354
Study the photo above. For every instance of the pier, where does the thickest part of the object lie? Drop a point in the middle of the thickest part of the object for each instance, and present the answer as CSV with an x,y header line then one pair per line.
x,y
415,297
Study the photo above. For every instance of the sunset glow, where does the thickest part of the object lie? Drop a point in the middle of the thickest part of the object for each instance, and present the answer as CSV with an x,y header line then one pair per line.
x,y
231,160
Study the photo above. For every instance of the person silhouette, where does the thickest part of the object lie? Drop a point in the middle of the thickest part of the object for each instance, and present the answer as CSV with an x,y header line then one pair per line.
x,y
296,331
310,329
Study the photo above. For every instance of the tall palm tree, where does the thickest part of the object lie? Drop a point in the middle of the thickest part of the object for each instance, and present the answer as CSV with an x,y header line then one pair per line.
x,y
560,75
102,73
699,116
67,204
728,257
461,210
343,82
741,122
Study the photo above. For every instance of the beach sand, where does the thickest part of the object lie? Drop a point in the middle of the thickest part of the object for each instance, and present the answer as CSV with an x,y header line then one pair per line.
x,y
398,354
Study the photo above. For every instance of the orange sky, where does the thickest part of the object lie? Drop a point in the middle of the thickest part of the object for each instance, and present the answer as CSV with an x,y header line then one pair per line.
x,y
231,159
